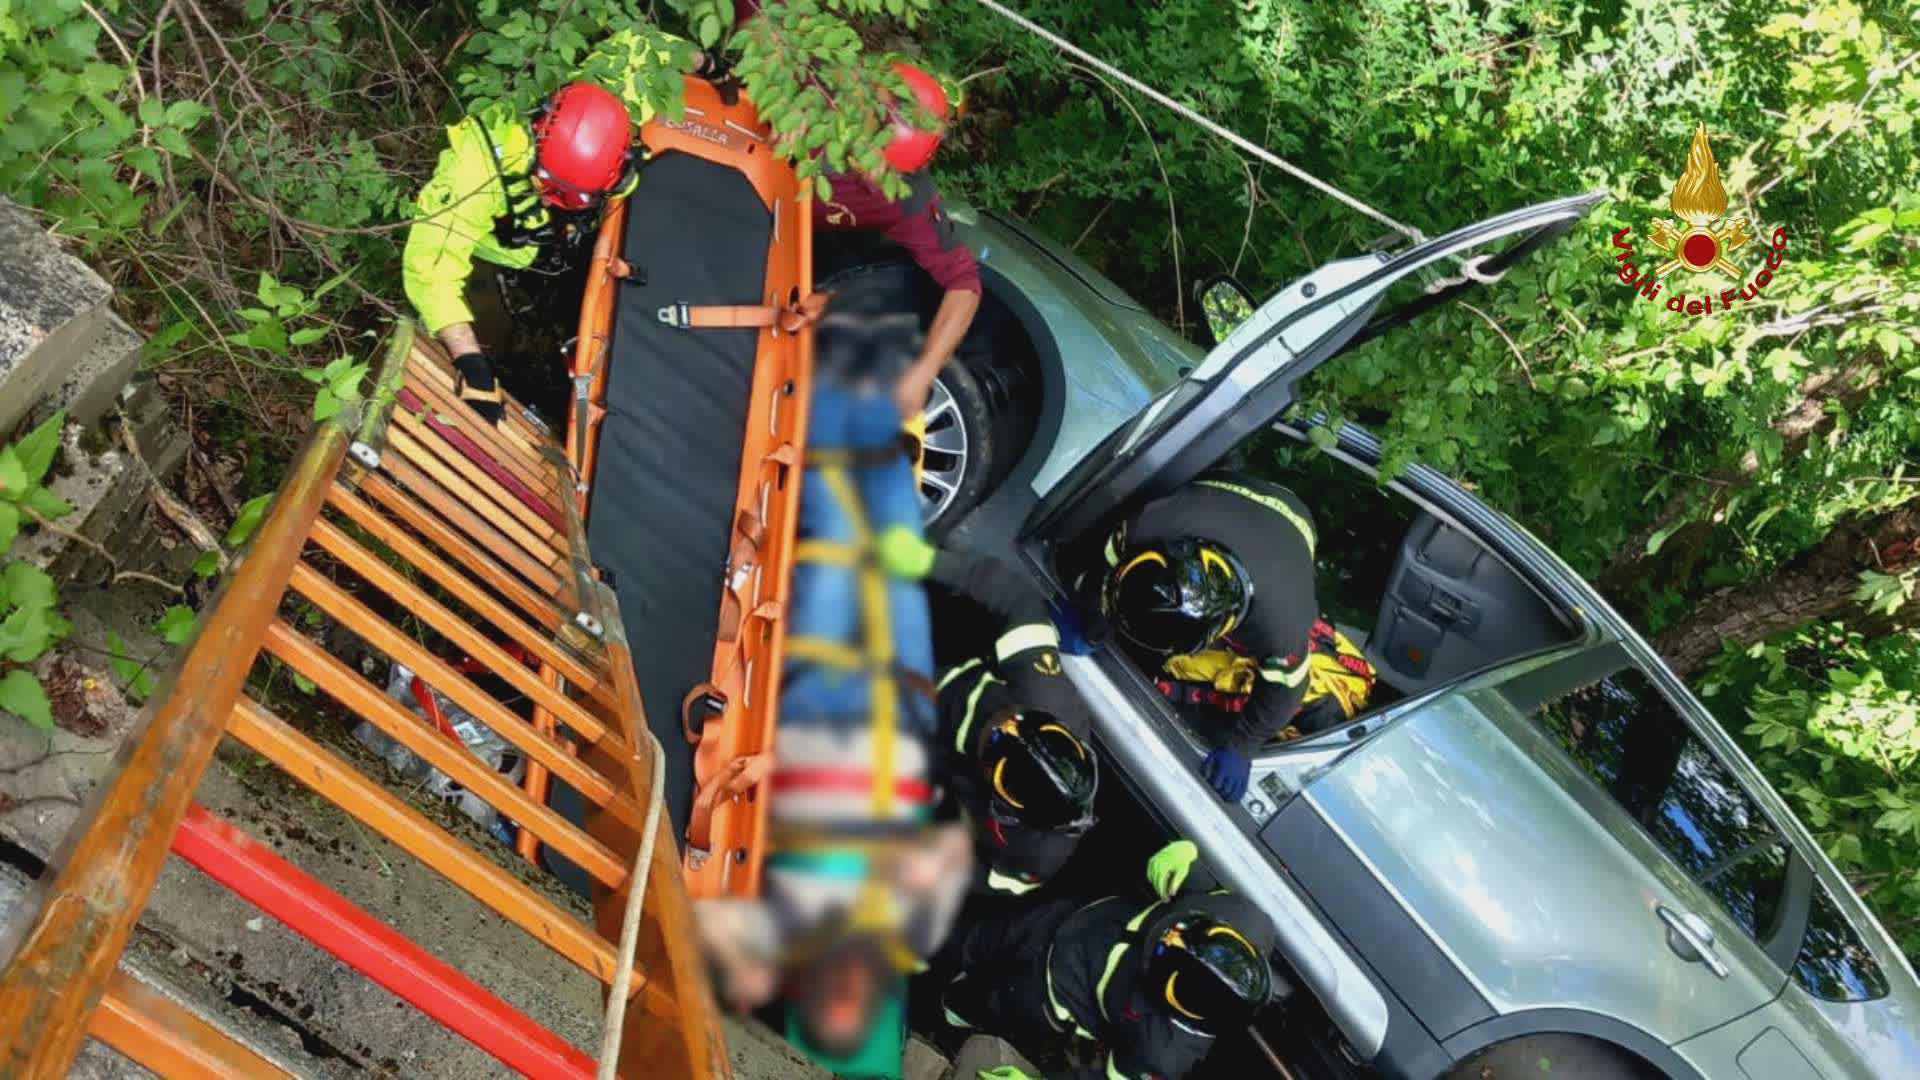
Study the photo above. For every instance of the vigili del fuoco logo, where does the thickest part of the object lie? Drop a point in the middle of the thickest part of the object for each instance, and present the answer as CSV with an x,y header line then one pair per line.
x,y
1705,242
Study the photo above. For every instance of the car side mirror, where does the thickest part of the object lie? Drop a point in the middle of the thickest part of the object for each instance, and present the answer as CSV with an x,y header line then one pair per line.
x,y
1224,304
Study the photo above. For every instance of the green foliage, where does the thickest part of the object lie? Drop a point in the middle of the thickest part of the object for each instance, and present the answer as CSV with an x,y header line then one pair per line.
x,y
524,51
22,695
830,101
840,112
29,620
339,384
176,624
57,94
1721,446
132,673
247,519
1884,594
1834,718
23,466
282,304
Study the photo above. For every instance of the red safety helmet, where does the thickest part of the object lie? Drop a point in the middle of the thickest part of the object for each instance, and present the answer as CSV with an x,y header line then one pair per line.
x,y
911,148
580,140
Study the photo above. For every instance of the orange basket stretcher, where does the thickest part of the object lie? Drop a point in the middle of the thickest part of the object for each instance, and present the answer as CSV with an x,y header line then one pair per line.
x,y
691,379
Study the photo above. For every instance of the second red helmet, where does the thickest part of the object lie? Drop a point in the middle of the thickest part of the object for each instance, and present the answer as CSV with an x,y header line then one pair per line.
x,y
911,148
580,141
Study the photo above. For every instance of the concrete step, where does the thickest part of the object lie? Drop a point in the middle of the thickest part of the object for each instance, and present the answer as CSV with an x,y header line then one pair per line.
x,y
53,309
108,492
98,378
923,1061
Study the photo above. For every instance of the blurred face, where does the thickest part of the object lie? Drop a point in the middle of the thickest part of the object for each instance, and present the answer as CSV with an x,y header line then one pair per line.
x,y
836,1001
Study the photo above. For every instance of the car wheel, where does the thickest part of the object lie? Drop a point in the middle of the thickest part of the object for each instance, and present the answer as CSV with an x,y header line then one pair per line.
x,y
1562,1057
960,452
981,411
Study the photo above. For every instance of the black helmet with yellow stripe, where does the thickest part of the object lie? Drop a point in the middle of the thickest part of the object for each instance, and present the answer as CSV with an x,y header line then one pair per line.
x,y
1038,773
1177,597
1208,975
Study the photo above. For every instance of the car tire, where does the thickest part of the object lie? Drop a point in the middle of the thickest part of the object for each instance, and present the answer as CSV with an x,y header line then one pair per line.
x,y
962,453
1562,1057
979,414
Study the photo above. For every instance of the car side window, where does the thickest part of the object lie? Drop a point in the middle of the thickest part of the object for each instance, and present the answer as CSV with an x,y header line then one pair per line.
x,y
1629,738
1833,963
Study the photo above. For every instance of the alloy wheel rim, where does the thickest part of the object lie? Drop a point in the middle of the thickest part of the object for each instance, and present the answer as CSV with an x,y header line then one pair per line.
x,y
946,453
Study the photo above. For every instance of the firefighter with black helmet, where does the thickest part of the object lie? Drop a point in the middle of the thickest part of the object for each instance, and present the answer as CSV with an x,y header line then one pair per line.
x,y
1156,985
1026,781
1213,584
1014,729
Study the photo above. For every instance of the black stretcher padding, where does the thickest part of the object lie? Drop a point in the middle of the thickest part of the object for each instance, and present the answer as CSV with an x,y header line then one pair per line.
x,y
669,462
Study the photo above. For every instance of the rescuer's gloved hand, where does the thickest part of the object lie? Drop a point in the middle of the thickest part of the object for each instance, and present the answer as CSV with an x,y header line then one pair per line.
x,y
717,68
904,554
1004,1072
1076,639
1167,869
1227,771
477,387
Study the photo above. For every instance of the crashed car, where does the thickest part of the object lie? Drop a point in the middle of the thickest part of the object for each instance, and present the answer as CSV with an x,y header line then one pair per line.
x,y
1535,844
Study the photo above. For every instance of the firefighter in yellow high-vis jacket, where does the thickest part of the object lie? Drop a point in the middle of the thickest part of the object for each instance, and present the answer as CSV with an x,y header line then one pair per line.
x,y
524,192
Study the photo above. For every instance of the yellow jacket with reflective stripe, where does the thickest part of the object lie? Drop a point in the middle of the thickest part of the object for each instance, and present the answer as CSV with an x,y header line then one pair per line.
x,y
456,209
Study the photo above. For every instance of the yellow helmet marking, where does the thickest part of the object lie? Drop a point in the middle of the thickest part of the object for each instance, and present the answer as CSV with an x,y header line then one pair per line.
x,y
1076,742
1143,557
1235,935
1175,1001
1001,787
1211,560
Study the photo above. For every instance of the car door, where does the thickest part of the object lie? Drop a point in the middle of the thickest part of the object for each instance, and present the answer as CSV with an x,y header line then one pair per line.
x,y
1247,380
1648,885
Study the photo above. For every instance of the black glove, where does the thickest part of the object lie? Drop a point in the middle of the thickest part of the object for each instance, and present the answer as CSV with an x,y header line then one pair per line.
x,y
477,387
716,68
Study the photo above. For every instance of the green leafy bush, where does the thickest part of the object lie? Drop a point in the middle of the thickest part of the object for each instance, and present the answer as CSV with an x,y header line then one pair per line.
x,y
30,623
1727,444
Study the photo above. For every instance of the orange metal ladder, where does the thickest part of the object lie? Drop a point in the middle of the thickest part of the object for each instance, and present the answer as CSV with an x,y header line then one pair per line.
x,y
407,503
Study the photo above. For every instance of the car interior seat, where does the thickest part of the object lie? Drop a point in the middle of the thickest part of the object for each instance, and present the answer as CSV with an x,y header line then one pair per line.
x,y
1452,607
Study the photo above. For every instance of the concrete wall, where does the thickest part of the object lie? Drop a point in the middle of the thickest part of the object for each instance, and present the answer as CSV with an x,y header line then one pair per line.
x,y
61,346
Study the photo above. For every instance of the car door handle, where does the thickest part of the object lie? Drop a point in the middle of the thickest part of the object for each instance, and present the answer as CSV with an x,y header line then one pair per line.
x,y
1689,936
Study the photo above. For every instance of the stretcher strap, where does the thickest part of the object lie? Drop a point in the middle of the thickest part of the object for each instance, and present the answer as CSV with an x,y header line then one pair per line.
x,y
842,657
708,700
865,457
734,778
749,532
785,318
877,631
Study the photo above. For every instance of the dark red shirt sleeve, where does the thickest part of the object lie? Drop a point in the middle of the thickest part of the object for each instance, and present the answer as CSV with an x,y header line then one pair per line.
x,y
919,224
928,237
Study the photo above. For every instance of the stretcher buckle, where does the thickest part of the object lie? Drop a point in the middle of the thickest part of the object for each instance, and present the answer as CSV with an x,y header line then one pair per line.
x,y
677,315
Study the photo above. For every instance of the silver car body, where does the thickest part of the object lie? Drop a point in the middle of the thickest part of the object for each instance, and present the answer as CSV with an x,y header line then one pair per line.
x,y
1459,808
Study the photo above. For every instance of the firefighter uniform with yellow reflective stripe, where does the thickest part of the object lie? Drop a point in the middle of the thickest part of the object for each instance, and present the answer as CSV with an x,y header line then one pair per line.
x,y
1093,969
482,201
1270,533
1022,676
